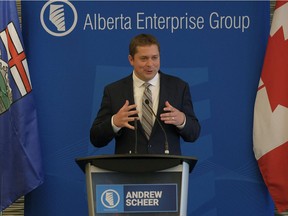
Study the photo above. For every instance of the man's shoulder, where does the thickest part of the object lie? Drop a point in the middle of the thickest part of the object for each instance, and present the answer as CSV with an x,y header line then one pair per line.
x,y
121,82
171,78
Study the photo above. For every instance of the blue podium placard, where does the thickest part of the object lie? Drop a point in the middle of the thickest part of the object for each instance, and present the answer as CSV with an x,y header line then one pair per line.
x,y
136,198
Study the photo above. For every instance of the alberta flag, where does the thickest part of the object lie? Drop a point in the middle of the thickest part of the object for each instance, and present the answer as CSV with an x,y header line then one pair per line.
x,y
20,159
271,111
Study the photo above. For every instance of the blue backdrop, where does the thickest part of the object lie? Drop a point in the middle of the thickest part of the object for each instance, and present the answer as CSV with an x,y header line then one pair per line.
x,y
217,47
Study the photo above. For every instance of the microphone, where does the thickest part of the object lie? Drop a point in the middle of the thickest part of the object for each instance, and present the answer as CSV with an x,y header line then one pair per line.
x,y
166,145
136,135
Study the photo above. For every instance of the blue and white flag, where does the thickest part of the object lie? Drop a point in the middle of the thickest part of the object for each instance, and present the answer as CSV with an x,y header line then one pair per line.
x,y
20,158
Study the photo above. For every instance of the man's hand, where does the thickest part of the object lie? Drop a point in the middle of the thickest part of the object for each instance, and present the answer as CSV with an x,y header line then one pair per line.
x,y
172,115
123,116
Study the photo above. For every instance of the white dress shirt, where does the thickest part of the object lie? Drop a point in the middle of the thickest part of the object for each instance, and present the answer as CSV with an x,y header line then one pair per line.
x,y
138,89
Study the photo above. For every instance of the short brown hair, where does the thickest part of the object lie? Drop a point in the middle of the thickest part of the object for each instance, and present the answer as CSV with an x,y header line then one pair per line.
x,y
142,40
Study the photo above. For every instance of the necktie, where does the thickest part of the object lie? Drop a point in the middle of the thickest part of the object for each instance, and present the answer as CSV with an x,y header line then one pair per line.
x,y
147,120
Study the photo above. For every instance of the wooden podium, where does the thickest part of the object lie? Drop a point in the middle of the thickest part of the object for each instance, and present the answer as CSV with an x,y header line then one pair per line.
x,y
137,184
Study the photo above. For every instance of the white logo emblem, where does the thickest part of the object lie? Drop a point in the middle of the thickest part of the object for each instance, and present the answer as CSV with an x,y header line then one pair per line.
x,y
110,198
58,17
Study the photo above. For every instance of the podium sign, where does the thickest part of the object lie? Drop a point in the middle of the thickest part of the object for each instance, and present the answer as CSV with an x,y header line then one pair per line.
x,y
136,198
136,184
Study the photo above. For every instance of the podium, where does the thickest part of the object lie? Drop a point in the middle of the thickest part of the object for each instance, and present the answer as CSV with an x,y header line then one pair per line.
x,y
137,184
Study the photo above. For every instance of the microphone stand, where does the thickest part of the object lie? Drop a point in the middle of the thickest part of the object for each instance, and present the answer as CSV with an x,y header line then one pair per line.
x,y
136,136
166,145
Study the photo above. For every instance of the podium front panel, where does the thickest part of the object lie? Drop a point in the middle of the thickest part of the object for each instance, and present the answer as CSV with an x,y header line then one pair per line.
x,y
152,193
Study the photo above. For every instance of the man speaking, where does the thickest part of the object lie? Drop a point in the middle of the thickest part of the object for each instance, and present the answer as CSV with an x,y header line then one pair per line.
x,y
148,111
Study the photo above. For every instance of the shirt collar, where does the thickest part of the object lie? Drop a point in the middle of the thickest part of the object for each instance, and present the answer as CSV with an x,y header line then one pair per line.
x,y
138,82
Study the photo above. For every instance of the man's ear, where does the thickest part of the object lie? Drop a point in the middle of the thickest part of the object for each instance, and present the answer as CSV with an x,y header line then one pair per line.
x,y
131,60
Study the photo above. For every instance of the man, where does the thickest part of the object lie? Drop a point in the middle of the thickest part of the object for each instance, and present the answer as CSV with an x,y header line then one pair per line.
x,y
126,109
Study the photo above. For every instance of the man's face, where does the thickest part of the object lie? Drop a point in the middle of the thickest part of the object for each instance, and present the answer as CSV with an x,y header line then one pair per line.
x,y
146,62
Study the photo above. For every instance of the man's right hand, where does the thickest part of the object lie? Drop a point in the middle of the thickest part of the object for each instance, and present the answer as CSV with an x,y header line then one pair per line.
x,y
124,116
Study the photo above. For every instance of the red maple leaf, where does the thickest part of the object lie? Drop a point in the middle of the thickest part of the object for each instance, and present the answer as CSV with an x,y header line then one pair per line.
x,y
275,70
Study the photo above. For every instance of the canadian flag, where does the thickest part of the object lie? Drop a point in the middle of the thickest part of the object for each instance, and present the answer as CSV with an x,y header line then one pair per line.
x,y
270,129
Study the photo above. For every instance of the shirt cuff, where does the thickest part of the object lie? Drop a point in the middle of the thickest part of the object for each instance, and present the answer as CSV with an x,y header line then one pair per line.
x,y
182,125
115,128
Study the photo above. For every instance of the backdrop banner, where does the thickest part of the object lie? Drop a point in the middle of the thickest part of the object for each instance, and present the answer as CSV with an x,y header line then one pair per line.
x,y
75,48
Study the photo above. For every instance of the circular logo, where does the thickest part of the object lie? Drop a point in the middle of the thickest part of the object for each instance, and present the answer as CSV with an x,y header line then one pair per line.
x,y
58,17
110,198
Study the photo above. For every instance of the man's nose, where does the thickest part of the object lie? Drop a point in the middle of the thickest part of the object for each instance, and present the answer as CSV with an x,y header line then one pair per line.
x,y
149,62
